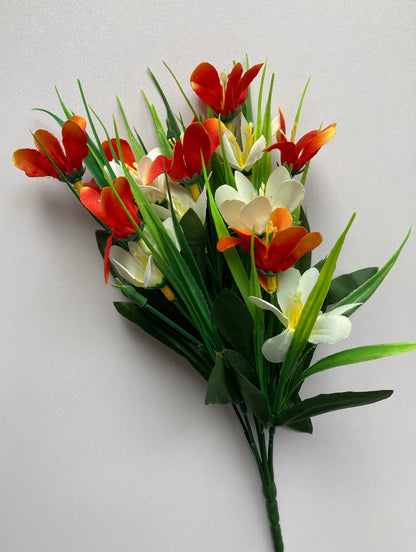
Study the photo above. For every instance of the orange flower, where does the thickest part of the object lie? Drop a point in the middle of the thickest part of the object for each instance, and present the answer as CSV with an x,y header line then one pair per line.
x,y
299,153
127,152
36,162
224,93
185,165
281,247
107,208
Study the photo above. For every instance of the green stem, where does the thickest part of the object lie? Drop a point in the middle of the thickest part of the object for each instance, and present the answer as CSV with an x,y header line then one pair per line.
x,y
264,460
269,486
269,491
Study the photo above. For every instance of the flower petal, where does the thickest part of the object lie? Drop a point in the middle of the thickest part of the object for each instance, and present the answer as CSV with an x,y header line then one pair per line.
x,y
206,84
75,142
330,329
283,191
227,193
129,267
287,287
275,348
34,163
306,243
306,283
244,187
256,152
44,140
256,214
265,305
196,141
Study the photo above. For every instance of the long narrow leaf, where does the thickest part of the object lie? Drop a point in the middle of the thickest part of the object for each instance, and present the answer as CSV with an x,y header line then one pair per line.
x,y
358,354
366,290
137,148
308,318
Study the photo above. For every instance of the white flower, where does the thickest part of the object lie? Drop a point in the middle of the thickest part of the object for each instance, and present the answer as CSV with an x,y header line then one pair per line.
x,y
292,293
240,149
182,200
136,265
246,209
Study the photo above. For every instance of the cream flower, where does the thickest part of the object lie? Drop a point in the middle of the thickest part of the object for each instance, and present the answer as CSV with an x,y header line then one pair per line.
x,y
246,209
292,293
240,149
136,265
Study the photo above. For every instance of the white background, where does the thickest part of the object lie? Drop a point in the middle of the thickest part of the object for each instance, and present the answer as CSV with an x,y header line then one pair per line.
x,y
106,445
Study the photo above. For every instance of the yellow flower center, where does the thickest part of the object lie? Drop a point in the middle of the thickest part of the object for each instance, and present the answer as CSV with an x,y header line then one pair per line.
x,y
294,310
242,156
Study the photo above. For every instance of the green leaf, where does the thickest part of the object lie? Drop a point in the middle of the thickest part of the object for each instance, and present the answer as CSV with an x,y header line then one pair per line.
x,y
136,146
231,256
197,356
196,237
366,290
300,104
173,127
321,404
308,318
165,147
234,323
187,253
221,387
182,92
358,354
345,284
304,426
255,399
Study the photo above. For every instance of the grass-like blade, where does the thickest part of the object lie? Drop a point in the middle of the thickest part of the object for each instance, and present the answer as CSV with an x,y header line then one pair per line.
x,y
358,354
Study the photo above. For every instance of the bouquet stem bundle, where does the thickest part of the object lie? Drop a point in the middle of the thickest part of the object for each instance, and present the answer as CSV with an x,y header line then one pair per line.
x,y
207,238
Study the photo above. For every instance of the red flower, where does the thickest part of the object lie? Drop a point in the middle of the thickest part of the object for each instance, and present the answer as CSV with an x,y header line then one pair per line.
x,y
282,246
128,155
185,164
299,153
106,207
223,93
35,162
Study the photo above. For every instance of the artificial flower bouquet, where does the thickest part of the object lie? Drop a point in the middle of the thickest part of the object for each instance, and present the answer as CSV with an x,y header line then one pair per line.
x,y
206,237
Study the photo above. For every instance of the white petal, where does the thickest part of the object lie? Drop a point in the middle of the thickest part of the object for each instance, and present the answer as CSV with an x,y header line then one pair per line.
x,y
230,211
143,167
275,124
152,193
282,191
275,348
256,214
230,149
306,283
201,206
330,329
168,224
245,187
265,305
226,193
162,212
152,276
275,180
129,267
256,152
289,194
287,287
